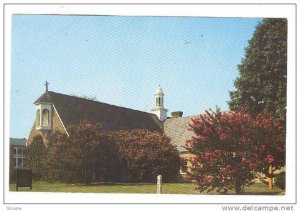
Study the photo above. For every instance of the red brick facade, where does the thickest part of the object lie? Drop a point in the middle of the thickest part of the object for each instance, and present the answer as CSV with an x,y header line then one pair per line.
x,y
56,124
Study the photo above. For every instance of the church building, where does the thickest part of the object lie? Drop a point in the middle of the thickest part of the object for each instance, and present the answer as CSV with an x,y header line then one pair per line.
x,y
55,112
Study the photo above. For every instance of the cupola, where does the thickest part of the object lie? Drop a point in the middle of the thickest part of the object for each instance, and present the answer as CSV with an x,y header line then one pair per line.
x,y
43,111
159,109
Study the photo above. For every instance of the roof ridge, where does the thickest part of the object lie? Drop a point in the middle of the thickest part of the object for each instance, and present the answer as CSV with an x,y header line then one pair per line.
x,y
183,117
98,102
18,138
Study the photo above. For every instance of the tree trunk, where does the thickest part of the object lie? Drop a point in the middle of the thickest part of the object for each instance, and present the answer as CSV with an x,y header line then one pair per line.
x,y
270,183
270,178
238,187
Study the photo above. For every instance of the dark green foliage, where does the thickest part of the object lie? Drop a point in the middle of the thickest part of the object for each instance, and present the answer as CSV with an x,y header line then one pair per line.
x,y
262,84
263,72
36,154
12,175
280,181
91,155
87,155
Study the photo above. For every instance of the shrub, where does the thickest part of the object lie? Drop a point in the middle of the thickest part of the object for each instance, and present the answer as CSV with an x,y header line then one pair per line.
x,y
87,155
12,175
36,153
145,155
90,155
280,181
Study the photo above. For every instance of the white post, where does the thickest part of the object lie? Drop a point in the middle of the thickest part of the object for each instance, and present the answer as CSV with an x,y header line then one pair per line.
x,y
159,184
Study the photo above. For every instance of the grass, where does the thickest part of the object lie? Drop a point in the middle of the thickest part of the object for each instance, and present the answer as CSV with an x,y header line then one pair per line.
x,y
143,188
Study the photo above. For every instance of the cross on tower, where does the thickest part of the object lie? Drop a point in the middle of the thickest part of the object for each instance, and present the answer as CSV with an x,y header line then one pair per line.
x,y
46,84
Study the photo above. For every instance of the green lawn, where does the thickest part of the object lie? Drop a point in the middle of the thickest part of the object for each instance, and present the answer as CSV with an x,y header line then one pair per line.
x,y
168,188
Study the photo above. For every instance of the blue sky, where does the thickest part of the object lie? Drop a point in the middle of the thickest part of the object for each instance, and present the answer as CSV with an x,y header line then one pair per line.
x,y
122,60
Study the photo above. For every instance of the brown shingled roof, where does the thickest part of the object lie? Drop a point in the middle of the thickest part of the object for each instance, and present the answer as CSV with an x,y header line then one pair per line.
x,y
178,130
73,109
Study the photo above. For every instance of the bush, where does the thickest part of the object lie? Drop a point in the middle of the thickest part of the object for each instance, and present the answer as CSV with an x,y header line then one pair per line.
x,y
86,156
280,181
145,155
36,154
91,155
12,175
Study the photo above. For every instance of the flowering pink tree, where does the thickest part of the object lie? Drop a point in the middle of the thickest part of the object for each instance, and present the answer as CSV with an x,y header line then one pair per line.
x,y
147,154
227,149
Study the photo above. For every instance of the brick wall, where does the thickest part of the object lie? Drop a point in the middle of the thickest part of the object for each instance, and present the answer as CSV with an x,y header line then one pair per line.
x,y
187,156
56,126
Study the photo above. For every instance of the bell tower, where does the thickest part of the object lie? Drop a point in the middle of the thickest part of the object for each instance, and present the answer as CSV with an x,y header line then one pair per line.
x,y
43,112
159,109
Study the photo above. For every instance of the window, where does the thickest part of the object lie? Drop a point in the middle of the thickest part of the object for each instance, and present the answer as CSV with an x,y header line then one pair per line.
x,y
20,162
184,165
45,121
38,118
159,101
20,151
15,151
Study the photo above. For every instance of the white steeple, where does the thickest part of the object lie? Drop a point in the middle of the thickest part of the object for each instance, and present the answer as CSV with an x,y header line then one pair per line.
x,y
159,109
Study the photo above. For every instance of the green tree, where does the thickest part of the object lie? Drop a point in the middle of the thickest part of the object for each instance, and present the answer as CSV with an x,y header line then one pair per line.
x,y
84,156
263,72
36,153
